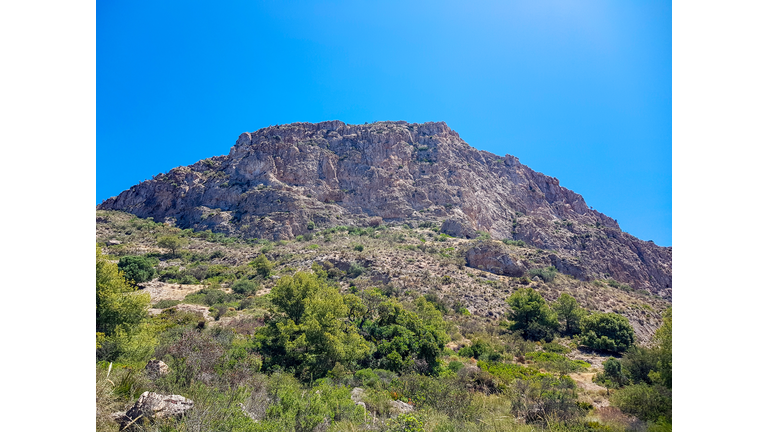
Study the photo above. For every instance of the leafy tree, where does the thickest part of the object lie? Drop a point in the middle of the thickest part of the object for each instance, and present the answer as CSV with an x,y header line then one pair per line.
x,y
137,268
172,242
531,315
311,330
607,331
568,310
262,265
116,303
120,315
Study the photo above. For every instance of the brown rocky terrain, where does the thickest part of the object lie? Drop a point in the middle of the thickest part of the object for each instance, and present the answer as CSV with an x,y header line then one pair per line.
x,y
288,180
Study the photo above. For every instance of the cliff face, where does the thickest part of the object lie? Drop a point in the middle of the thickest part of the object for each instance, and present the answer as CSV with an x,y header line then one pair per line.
x,y
281,181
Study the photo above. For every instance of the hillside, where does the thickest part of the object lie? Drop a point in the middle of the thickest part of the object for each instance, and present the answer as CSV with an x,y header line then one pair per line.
x,y
289,180
385,277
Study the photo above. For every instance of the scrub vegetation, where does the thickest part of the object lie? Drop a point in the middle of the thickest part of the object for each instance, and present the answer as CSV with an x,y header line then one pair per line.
x,y
276,335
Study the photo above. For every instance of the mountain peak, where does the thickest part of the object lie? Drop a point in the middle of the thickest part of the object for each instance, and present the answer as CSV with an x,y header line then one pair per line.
x,y
282,181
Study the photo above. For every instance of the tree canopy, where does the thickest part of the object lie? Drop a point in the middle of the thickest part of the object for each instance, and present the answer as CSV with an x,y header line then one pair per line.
x,y
569,311
311,331
531,315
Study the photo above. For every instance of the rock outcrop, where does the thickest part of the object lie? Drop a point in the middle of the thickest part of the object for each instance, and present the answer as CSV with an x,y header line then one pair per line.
x,y
152,407
286,180
495,258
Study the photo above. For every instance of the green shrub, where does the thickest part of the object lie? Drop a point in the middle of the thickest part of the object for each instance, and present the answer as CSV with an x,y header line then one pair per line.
x,y
410,422
445,395
165,304
137,268
455,366
547,275
262,265
607,332
646,402
367,378
556,362
244,287
310,225
358,247
356,269
555,348
613,375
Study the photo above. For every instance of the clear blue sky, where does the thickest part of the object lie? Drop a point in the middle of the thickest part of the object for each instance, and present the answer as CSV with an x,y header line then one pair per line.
x,y
579,90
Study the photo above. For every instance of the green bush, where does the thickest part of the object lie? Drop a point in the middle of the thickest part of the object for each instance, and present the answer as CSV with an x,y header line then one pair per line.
x,y
445,395
358,247
262,265
367,378
607,332
356,269
556,362
165,304
405,423
137,268
555,348
650,403
455,366
547,275
244,287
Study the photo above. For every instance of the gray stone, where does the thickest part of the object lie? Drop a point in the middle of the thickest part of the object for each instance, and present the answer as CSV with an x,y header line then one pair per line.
x,y
153,406
156,368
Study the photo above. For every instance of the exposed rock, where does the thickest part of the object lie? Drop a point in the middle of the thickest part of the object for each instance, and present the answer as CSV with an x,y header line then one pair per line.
x,y
400,407
277,180
114,242
153,406
156,369
357,394
460,228
494,257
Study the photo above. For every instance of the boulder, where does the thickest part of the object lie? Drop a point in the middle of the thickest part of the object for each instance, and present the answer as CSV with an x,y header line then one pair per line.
x,y
400,407
459,228
357,394
494,257
153,406
156,368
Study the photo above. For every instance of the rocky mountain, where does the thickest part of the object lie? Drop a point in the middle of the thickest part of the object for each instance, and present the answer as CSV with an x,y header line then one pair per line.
x,y
287,180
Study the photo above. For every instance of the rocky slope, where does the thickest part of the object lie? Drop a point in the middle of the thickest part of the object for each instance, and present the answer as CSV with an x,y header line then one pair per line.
x,y
287,180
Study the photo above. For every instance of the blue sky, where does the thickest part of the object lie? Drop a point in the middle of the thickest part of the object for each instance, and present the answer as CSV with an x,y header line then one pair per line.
x,y
578,90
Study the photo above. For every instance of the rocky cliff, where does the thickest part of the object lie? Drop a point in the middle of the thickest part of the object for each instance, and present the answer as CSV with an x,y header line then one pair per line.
x,y
286,180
